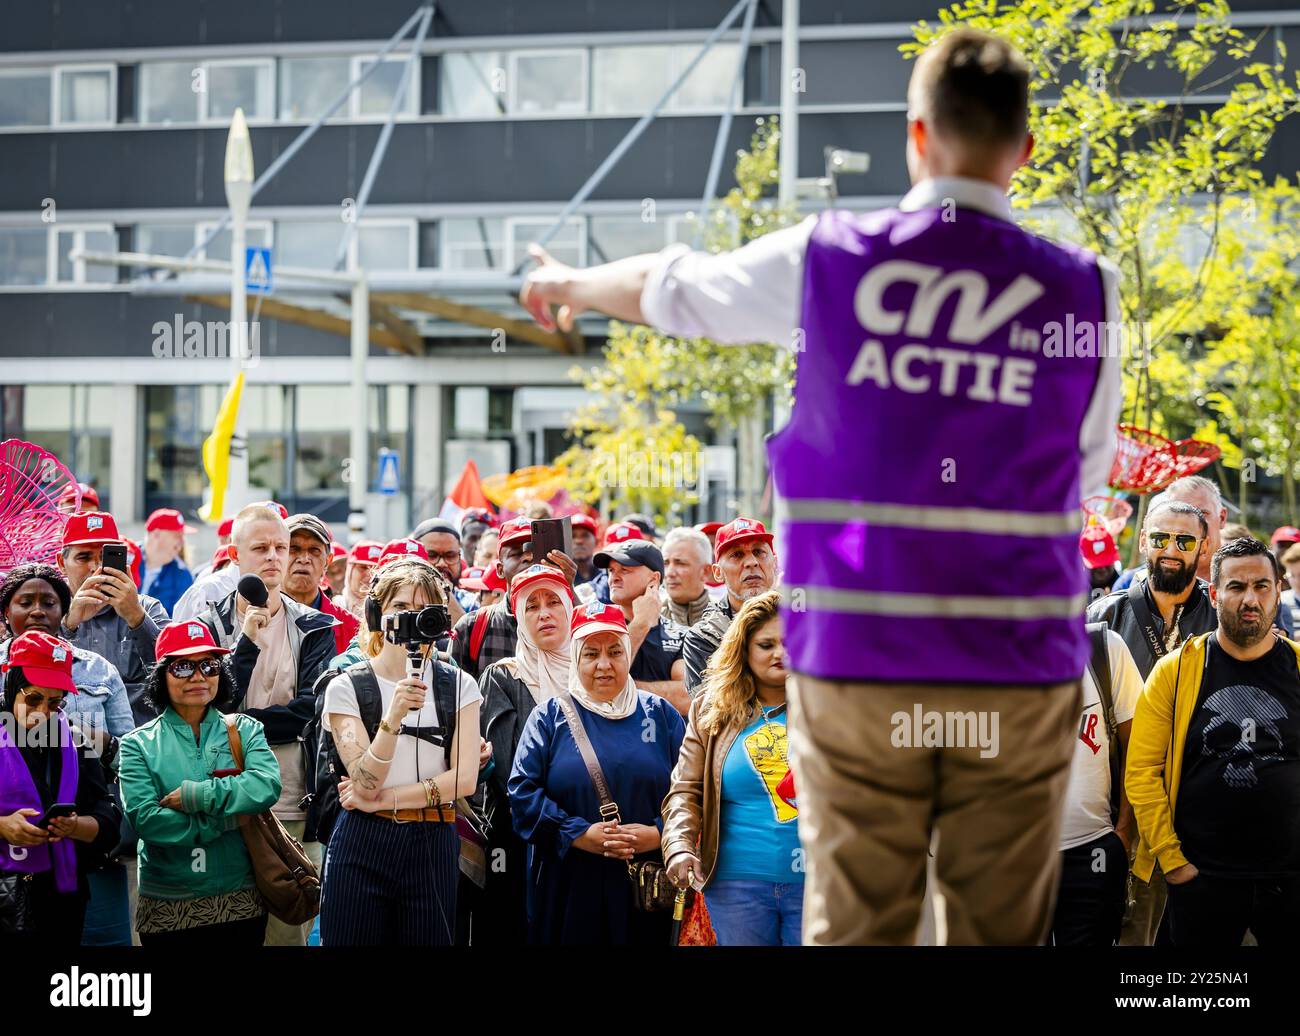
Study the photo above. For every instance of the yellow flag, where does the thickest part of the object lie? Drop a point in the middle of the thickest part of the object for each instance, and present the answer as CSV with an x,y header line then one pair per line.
x,y
216,451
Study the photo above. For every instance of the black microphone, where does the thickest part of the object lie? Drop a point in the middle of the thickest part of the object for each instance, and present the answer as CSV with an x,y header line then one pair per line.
x,y
253,590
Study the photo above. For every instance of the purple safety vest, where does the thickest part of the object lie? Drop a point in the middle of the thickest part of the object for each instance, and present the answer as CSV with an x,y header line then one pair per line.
x,y
931,465
18,791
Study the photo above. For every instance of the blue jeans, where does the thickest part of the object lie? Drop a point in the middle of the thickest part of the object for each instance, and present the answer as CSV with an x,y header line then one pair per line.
x,y
755,913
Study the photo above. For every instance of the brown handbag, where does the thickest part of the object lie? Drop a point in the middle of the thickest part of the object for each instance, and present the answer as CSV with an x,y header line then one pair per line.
x,y
285,876
651,889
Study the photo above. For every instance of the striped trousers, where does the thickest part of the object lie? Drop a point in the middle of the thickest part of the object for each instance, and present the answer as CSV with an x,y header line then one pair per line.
x,y
389,884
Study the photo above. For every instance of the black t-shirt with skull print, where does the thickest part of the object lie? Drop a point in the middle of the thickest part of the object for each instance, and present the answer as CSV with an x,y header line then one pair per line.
x,y
1238,809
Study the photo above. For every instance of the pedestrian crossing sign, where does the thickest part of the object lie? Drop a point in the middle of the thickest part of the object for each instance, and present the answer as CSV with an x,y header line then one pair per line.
x,y
257,270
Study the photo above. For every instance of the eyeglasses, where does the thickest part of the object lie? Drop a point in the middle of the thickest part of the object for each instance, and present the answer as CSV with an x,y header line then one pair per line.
x,y
1185,541
34,701
183,668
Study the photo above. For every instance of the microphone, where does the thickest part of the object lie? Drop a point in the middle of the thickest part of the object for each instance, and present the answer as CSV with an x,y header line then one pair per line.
x,y
253,590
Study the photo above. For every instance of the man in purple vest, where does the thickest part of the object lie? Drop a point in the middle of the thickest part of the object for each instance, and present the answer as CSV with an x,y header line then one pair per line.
x,y
930,479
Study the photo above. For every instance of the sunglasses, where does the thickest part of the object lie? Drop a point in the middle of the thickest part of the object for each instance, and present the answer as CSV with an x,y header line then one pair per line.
x,y
34,701
183,668
1185,541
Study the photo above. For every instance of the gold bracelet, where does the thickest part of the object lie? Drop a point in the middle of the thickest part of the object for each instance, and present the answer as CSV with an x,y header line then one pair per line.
x,y
437,793
383,725
429,787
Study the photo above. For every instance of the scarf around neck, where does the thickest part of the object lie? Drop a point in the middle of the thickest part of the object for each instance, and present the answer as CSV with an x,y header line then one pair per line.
x,y
545,673
624,703
18,791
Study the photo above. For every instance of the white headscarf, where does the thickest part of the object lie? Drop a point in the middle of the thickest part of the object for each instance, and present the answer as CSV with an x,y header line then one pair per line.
x,y
546,673
624,703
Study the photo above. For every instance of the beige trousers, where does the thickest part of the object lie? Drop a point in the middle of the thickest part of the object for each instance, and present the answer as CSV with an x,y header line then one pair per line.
x,y
872,786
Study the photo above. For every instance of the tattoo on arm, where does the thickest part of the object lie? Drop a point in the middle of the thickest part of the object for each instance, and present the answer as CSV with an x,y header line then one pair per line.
x,y
365,778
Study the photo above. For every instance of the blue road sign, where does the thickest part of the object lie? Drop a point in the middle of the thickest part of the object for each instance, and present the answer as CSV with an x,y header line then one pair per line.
x,y
257,270
389,483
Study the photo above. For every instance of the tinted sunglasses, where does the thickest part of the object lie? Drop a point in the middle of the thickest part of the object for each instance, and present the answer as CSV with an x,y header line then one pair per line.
x,y
183,668
34,701
1185,541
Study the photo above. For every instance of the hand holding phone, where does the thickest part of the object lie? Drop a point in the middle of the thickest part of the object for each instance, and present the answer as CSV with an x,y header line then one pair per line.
x,y
57,812
114,556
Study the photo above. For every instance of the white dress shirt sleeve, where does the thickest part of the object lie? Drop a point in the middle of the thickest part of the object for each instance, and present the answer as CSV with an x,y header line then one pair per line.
x,y
752,294
1097,434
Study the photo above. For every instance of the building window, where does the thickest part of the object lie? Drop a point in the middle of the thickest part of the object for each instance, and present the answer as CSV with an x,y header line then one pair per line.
x,y
91,237
174,239
708,88
386,244
25,97
73,422
548,82
376,94
617,237
630,80
472,84
168,92
313,245
86,95
22,255
308,85
257,234
569,245
232,84
472,244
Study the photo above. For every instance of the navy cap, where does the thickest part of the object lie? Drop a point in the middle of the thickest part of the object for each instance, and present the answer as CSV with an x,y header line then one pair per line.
x,y
632,552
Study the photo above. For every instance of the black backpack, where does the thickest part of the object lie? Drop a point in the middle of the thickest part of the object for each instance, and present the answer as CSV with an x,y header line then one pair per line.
x,y
324,768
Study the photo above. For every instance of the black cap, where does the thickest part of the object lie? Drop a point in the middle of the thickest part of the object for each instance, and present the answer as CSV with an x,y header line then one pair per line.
x,y
435,525
632,552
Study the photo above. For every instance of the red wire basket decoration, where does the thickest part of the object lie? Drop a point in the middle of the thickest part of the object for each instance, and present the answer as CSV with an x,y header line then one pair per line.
x,y
1146,461
31,526
1111,511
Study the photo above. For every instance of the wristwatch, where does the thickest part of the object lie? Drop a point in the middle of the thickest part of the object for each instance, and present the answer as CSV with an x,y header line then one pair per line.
x,y
383,725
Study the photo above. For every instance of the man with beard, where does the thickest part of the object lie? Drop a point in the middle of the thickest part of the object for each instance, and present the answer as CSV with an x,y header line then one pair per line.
x,y
1217,732
1155,615
310,546
744,560
442,540
1202,494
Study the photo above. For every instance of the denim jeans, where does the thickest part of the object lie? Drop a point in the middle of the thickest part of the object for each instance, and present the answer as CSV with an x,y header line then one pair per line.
x,y
756,913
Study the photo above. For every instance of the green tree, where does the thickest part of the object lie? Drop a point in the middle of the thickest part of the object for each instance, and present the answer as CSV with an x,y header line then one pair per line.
x,y
645,377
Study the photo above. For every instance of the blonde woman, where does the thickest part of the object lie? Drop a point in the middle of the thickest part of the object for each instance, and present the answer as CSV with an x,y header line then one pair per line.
x,y
391,869
730,826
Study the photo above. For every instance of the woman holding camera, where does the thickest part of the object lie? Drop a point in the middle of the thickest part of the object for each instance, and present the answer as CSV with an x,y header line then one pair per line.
x,y
57,819
391,868
579,886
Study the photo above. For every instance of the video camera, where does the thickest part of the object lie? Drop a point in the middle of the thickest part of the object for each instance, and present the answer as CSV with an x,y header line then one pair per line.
x,y
417,626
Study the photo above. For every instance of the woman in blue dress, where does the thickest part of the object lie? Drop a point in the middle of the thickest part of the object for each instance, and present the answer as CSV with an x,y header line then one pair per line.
x,y
579,891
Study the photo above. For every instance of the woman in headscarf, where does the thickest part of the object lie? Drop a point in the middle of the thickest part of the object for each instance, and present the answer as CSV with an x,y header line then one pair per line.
x,y
47,852
579,888
542,603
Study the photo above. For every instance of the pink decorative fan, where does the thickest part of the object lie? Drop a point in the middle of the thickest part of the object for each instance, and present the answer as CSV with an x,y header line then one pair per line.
x,y
31,482
1111,511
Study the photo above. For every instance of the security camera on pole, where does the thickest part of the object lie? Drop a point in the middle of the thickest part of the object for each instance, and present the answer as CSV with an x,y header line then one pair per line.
x,y
239,193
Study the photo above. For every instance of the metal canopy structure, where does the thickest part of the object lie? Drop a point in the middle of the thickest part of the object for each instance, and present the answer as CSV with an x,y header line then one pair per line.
x,y
407,307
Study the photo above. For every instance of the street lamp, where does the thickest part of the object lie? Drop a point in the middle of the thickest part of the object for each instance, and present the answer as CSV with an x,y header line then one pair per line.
x,y
239,194
839,162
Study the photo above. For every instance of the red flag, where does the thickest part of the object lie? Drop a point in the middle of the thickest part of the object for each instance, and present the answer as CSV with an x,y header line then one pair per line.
x,y
466,493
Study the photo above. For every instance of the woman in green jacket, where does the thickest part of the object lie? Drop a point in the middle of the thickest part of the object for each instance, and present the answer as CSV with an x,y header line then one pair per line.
x,y
184,797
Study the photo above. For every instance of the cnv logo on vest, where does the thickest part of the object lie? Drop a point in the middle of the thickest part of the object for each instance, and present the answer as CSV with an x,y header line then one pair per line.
x,y
917,367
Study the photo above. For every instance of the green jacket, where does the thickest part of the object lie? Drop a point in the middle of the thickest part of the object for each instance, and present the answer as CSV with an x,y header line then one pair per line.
x,y
197,851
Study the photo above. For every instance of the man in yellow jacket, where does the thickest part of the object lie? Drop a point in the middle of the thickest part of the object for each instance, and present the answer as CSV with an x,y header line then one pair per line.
x,y
1213,768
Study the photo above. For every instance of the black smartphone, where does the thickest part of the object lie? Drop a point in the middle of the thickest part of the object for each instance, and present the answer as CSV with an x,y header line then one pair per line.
x,y
57,812
552,534
115,556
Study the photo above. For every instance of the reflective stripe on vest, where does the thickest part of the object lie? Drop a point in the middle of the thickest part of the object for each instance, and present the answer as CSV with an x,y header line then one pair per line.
x,y
941,519
877,602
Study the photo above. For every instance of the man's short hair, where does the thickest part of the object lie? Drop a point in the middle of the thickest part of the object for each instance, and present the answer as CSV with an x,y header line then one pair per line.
x,y
973,86
1235,531
1177,507
1292,556
1195,484
693,536
254,513
1247,547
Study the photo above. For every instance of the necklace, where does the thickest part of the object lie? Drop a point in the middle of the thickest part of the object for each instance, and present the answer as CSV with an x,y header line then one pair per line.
x,y
776,742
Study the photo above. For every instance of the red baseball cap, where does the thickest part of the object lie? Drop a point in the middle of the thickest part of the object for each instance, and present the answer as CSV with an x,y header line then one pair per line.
x,y
477,514
1286,534
472,578
1097,546
621,532
226,528
367,552
337,550
69,494
186,638
284,511
90,529
585,521
404,548
168,519
598,617
46,661
708,528
517,530
739,530
221,556
532,576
